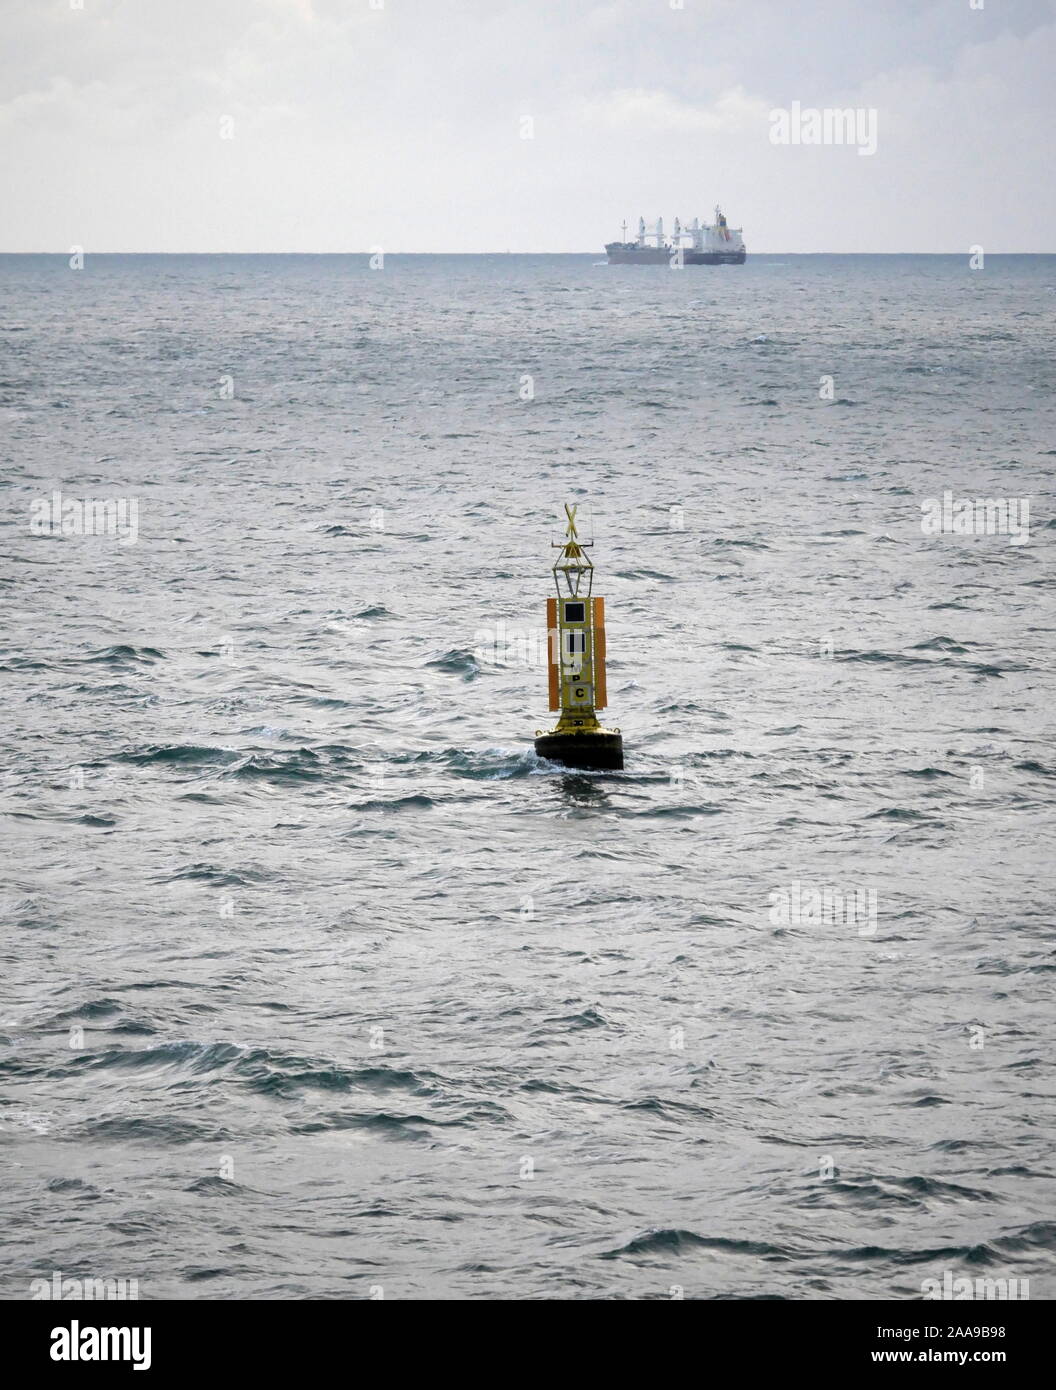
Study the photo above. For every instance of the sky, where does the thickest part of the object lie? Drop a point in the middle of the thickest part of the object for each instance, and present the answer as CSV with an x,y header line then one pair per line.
x,y
522,125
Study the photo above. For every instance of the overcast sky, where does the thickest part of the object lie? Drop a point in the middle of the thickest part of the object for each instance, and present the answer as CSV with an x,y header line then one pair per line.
x,y
399,124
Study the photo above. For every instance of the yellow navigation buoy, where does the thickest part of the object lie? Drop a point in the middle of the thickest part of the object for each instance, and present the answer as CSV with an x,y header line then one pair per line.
x,y
575,622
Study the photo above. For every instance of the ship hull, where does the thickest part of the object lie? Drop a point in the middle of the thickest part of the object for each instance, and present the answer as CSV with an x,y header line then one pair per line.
x,y
642,255
651,255
714,257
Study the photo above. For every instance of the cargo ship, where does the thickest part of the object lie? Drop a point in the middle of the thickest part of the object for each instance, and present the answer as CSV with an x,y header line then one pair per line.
x,y
717,244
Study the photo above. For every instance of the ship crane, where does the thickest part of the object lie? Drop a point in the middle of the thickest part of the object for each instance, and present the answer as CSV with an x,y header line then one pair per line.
x,y
695,233
655,231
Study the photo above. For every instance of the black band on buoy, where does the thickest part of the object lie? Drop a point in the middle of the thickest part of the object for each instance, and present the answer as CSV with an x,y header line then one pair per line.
x,y
600,751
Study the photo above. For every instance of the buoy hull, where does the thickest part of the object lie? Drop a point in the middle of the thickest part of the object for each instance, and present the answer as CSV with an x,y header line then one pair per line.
x,y
598,751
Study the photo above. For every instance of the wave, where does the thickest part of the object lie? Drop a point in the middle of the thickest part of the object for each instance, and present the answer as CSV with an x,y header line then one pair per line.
x,y
219,877
492,764
152,1129
414,802
299,765
214,1186
945,661
458,661
122,653
261,1070
939,644
193,754
873,1194
289,766
674,1241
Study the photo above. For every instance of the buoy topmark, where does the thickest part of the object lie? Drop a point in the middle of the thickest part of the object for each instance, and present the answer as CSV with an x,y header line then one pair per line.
x,y
575,622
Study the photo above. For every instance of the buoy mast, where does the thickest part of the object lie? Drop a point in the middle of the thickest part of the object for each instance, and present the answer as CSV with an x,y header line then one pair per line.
x,y
575,621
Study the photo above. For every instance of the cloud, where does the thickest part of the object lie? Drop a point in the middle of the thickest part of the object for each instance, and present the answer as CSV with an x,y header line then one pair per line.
x,y
660,113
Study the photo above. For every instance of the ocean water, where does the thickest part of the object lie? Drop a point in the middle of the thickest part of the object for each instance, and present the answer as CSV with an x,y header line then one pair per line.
x,y
316,981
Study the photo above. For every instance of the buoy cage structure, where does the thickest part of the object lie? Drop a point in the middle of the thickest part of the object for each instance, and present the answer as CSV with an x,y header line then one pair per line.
x,y
575,623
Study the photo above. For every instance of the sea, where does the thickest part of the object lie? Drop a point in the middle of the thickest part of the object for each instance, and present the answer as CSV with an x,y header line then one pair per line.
x,y
318,983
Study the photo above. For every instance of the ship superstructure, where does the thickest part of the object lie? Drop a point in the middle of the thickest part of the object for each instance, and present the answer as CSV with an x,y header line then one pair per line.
x,y
715,243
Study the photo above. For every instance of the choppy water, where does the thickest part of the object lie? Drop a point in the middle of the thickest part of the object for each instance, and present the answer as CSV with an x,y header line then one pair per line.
x,y
315,979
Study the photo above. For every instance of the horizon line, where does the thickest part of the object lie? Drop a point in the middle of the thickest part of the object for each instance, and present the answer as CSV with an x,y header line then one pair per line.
x,y
86,253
